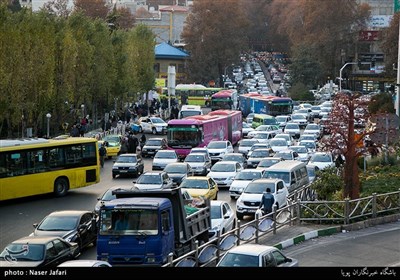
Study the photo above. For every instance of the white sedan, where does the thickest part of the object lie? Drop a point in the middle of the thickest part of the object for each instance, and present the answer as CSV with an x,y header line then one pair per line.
x,y
322,160
222,218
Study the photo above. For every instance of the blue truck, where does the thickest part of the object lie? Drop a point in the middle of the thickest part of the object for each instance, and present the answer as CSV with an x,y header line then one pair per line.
x,y
142,227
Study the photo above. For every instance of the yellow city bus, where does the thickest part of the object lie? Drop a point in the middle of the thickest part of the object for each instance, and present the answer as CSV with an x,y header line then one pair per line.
x,y
38,166
192,94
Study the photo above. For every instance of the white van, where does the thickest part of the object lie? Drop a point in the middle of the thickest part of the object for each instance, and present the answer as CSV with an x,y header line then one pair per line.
x,y
189,110
292,172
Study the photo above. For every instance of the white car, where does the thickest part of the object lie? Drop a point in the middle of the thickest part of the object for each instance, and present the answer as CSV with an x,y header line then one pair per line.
x,y
250,199
288,137
293,129
163,157
264,127
264,136
218,149
222,218
282,120
256,156
310,145
199,162
322,160
154,180
278,144
302,152
246,128
313,128
300,119
245,145
155,125
256,255
242,179
268,162
223,172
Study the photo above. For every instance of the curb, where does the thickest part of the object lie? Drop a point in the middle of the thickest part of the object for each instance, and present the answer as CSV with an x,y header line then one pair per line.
x,y
308,235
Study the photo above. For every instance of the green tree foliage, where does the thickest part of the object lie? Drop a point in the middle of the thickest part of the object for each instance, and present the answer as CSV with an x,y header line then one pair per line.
x,y
214,33
327,184
52,64
381,103
299,92
312,23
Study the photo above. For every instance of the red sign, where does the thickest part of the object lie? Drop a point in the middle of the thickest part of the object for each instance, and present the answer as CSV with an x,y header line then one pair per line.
x,y
369,36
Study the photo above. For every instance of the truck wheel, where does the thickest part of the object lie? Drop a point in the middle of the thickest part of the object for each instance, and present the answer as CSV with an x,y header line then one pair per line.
x,y
61,187
239,215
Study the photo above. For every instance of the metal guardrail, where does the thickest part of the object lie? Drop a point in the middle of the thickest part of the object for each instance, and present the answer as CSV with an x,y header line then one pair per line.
x,y
295,212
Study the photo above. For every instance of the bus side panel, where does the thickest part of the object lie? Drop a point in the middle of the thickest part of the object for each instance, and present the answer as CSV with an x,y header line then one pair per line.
x,y
237,123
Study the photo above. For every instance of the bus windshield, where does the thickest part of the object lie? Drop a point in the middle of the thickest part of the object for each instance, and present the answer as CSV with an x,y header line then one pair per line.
x,y
183,137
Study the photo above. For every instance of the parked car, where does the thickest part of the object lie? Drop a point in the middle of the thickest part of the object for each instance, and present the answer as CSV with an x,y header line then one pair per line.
x,y
153,145
242,179
163,157
128,165
79,226
155,125
85,263
222,218
38,251
178,171
198,186
200,163
250,199
154,180
256,255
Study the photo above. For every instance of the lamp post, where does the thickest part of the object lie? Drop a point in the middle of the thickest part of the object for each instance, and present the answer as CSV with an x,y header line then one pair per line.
x,y
83,110
48,116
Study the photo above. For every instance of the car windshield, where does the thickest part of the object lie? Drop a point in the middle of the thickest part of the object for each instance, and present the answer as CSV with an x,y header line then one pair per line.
x,y
194,184
23,252
153,143
278,175
259,154
194,158
300,150
308,145
298,117
164,154
149,179
175,168
222,167
59,223
216,212
248,143
216,145
257,187
248,176
292,126
284,155
312,127
268,162
321,158
238,158
126,159
239,260
157,120
278,142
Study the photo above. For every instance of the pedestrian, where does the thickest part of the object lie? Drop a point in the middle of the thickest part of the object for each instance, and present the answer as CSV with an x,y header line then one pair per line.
x,y
102,153
267,201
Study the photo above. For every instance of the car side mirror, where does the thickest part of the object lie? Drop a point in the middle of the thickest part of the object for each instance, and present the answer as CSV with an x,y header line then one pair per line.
x,y
35,225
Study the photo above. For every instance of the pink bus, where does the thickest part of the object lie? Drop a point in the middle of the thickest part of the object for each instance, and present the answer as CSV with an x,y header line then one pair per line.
x,y
224,99
197,131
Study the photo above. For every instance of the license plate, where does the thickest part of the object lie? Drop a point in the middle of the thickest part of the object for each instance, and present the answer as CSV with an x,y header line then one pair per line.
x,y
150,153
123,171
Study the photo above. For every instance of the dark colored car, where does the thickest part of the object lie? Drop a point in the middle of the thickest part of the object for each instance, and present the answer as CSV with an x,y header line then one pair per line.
x,y
38,251
77,226
178,171
152,145
128,165
108,195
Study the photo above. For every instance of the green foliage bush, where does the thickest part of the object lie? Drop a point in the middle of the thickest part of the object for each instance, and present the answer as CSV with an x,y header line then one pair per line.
x,y
327,183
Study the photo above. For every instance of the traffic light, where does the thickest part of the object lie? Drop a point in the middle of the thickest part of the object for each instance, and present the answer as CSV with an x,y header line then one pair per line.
x,y
359,63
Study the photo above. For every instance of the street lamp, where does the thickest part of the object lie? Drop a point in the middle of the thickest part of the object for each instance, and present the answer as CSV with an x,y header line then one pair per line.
x,y
48,116
83,110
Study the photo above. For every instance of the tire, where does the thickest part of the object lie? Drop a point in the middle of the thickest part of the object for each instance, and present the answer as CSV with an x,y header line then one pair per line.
x,y
232,197
239,216
114,176
61,187
154,131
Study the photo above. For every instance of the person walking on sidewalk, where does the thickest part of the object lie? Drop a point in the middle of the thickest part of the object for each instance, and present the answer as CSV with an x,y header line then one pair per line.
x,y
267,201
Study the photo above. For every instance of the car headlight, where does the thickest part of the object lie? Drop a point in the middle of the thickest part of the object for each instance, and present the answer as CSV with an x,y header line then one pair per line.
x,y
114,167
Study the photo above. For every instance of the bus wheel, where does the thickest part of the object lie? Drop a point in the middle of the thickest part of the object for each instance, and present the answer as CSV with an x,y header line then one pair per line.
x,y
61,187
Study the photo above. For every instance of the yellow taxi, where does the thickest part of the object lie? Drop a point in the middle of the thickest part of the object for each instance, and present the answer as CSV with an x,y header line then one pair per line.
x,y
113,144
199,186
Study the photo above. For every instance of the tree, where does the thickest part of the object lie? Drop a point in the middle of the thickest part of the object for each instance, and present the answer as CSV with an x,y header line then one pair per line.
x,y
92,8
58,8
213,34
391,44
381,103
121,18
348,108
